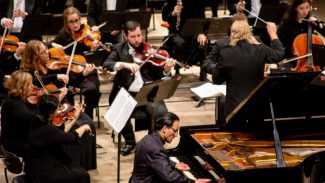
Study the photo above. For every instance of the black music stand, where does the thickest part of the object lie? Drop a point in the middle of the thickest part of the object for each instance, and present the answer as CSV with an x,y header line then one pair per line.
x,y
270,13
219,27
195,26
117,19
56,23
155,92
35,26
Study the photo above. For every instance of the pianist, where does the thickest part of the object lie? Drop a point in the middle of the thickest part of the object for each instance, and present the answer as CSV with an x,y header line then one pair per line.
x,y
152,163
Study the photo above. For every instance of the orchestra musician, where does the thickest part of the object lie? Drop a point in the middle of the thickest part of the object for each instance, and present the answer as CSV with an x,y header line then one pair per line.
x,y
132,76
16,113
187,49
151,161
241,64
87,81
16,12
35,57
295,22
46,160
96,8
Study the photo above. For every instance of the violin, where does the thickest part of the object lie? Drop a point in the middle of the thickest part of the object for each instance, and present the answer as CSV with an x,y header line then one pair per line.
x,y
157,57
36,93
87,36
65,112
10,43
59,60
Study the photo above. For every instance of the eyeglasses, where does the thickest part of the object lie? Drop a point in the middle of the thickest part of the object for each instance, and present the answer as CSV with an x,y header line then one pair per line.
x,y
174,130
73,21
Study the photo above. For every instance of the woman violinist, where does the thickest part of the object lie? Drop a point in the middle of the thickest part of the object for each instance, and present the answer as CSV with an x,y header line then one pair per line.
x,y
35,58
295,22
47,161
88,81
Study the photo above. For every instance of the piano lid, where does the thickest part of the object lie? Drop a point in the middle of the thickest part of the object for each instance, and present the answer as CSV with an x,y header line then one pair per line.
x,y
293,97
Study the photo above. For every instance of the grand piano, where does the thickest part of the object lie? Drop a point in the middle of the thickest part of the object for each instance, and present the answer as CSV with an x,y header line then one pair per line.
x,y
245,147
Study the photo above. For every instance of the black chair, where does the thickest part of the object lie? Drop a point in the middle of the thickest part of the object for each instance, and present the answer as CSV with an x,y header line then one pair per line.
x,y
14,165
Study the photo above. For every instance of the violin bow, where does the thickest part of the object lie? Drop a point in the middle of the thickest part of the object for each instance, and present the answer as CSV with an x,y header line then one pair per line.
x,y
41,82
3,38
81,37
293,59
71,57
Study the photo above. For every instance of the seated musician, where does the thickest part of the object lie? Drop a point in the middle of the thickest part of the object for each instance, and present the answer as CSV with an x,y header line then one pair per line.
x,y
96,9
9,62
132,76
16,13
241,65
46,160
151,161
35,58
295,22
70,32
190,49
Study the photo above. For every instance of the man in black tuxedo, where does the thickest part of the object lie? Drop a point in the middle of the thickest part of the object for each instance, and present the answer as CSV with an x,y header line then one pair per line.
x,y
131,76
96,8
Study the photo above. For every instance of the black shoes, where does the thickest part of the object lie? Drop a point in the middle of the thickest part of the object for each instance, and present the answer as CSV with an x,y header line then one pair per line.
x,y
127,149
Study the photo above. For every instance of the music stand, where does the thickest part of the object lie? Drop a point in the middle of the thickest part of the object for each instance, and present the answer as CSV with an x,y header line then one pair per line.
x,y
56,23
35,26
270,13
155,92
220,27
195,26
118,19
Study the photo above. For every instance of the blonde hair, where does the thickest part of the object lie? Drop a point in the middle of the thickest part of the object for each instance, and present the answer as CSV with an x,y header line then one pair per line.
x,y
30,55
240,30
19,84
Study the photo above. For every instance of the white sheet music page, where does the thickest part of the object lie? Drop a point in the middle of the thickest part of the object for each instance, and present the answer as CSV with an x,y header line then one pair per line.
x,y
120,111
209,90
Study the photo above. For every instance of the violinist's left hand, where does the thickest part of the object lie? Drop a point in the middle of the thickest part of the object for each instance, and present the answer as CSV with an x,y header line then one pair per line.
x,y
20,13
202,39
169,64
55,45
94,46
88,69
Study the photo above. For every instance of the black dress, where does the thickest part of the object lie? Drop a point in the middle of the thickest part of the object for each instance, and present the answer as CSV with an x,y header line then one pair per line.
x,y
46,160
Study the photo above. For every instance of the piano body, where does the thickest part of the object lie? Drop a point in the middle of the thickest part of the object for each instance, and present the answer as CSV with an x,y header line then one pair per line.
x,y
243,150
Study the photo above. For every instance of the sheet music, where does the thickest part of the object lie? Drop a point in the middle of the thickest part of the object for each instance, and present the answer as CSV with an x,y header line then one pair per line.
x,y
120,111
209,90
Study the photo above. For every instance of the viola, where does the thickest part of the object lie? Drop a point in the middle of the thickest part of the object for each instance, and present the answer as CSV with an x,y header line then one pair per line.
x,y
154,56
10,43
59,60
86,36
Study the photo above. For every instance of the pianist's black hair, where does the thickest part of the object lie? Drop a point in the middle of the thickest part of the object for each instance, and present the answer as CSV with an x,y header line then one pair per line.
x,y
167,119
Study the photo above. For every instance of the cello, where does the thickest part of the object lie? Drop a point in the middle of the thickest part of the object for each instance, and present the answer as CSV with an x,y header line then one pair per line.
x,y
302,46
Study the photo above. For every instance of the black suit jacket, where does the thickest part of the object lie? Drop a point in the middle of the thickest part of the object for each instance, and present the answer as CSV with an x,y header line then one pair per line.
x,y
152,164
242,68
123,77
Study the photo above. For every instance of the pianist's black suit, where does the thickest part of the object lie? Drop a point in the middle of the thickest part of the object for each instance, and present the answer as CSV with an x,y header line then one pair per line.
x,y
152,164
